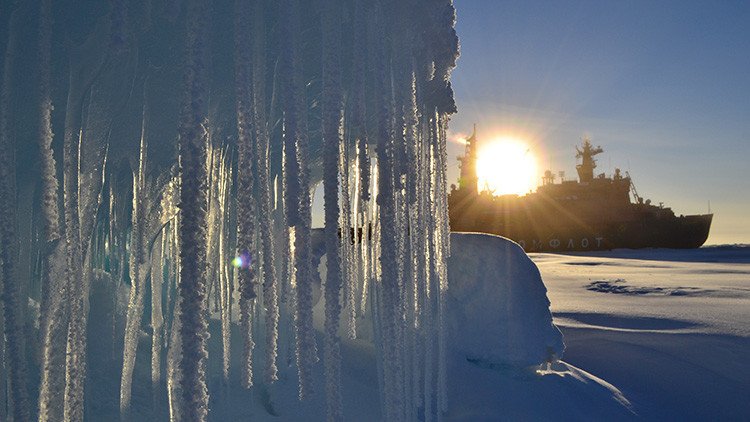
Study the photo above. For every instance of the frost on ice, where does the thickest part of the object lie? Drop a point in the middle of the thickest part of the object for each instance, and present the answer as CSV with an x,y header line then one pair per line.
x,y
174,137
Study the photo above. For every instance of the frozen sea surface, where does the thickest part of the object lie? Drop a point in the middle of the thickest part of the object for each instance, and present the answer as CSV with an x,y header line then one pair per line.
x,y
669,328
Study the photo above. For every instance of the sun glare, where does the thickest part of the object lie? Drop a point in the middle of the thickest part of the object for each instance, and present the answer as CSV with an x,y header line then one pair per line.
x,y
506,166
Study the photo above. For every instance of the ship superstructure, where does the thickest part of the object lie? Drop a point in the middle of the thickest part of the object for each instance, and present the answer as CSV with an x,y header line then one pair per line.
x,y
593,213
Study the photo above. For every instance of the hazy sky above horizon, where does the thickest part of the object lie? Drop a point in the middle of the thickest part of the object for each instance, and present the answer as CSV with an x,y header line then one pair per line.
x,y
663,87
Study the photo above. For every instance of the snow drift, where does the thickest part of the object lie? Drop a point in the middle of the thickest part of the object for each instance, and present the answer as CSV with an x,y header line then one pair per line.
x,y
498,311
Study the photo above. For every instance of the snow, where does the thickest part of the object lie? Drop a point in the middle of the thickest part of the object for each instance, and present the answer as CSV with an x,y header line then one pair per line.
x,y
667,292
497,305
670,328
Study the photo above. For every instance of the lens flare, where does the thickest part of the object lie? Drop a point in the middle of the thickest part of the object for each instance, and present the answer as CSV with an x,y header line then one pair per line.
x,y
242,260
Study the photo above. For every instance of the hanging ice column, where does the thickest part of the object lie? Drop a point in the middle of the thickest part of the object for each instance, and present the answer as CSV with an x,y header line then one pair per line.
x,y
12,303
193,220
245,183
297,184
270,281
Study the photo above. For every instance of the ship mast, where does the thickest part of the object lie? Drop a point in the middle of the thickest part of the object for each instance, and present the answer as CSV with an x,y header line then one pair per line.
x,y
469,180
588,164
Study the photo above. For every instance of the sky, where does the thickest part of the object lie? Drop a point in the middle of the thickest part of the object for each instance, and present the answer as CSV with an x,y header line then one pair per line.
x,y
663,87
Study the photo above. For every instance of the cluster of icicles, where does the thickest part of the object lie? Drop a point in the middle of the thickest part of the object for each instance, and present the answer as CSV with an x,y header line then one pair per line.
x,y
386,228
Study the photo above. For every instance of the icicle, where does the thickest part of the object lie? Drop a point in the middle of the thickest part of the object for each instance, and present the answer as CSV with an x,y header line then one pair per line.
x,y
286,280
174,355
138,273
217,212
292,286
414,224
47,159
305,334
444,233
270,283
289,65
349,242
13,304
430,286
389,267
298,191
376,299
116,251
360,104
400,98
174,273
287,243
245,182
193,197
52,318
335,233
212,164
75,360
54,336
364,170
157,317
224,286
361,194
371,247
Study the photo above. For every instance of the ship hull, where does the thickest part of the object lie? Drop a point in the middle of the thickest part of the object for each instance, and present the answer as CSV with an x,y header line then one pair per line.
x,y
554,228
680,233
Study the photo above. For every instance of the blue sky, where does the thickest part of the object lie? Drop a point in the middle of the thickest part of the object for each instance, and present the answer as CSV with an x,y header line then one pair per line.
x,y
662,86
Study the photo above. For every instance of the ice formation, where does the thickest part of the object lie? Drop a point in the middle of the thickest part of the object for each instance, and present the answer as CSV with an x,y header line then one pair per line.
x,y
190,134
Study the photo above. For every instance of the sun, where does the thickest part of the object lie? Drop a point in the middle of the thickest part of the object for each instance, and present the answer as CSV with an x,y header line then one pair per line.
x,y
506,166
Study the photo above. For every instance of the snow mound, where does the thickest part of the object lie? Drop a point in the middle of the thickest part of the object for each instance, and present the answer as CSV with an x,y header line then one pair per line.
x,y
505,363
498,311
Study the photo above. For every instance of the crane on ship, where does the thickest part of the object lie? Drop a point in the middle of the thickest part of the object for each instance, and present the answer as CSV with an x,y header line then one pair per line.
x,y
638,198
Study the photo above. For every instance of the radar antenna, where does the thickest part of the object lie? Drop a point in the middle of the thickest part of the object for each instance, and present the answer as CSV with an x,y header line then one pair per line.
x,y
586,153
548,178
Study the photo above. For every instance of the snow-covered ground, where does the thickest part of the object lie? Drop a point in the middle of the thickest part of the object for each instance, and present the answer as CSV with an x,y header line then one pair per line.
x,y
670,329
650,335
